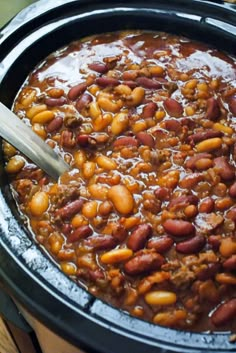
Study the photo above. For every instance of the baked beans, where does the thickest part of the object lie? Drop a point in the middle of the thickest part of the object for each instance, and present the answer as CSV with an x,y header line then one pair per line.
x,y
146,217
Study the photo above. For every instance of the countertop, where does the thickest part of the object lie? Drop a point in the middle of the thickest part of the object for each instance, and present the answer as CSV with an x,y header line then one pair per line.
x,y
10,8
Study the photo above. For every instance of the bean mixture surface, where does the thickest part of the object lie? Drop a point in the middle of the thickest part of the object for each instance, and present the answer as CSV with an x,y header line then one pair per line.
x,y
146,217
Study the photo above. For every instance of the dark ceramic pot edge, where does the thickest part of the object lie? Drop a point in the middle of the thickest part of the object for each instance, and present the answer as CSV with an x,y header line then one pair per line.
x,y
42,6
88,313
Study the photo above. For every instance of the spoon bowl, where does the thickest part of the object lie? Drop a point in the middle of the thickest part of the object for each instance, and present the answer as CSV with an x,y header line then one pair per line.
x,y
13,130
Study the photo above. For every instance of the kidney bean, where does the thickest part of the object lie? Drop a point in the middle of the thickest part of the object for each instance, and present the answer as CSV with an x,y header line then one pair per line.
x,y
148,83
53,102
101,242
209,272
149,110
207,205
191,180
69,210
232,105
201,136
159,133
191,246
144,262
55,124
145,139
130,84
96,275
161,244
187,122
44,181
226,171
66,228
105,81
83,101
83,140
173,125
224,313
178,227
173,107
162,193
214,241
139,236
81,232
126,141
191,162
31,171
183,201
67,139
67,194
99,67
231,214
213,109
232,190
119,232
77,90
230,263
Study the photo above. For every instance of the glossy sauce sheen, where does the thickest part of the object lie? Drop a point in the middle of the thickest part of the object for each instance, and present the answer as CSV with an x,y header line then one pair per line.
x,y
146,217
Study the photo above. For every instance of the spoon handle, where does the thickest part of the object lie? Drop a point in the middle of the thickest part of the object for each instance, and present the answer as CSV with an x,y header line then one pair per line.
x,y
13,130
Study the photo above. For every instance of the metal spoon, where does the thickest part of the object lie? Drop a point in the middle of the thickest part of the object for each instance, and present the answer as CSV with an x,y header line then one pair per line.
x,y
13,130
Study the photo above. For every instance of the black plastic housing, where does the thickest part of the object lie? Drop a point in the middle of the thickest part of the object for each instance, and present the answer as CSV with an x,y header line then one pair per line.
x,y
26,273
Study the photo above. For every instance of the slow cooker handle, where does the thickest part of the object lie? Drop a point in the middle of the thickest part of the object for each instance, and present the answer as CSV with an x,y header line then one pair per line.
x,y
22,334
9,312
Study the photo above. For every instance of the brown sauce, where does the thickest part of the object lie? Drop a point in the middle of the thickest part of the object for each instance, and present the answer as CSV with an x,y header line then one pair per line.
x,y
146,217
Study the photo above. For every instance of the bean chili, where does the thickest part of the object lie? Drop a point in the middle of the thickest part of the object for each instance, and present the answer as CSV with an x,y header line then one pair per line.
x,y
146,217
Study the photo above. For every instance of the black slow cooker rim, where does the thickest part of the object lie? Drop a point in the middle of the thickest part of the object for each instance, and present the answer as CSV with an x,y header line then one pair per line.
x,y
30,286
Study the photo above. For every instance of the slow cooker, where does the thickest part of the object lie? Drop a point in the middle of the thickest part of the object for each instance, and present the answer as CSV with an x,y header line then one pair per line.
x,y
52,303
